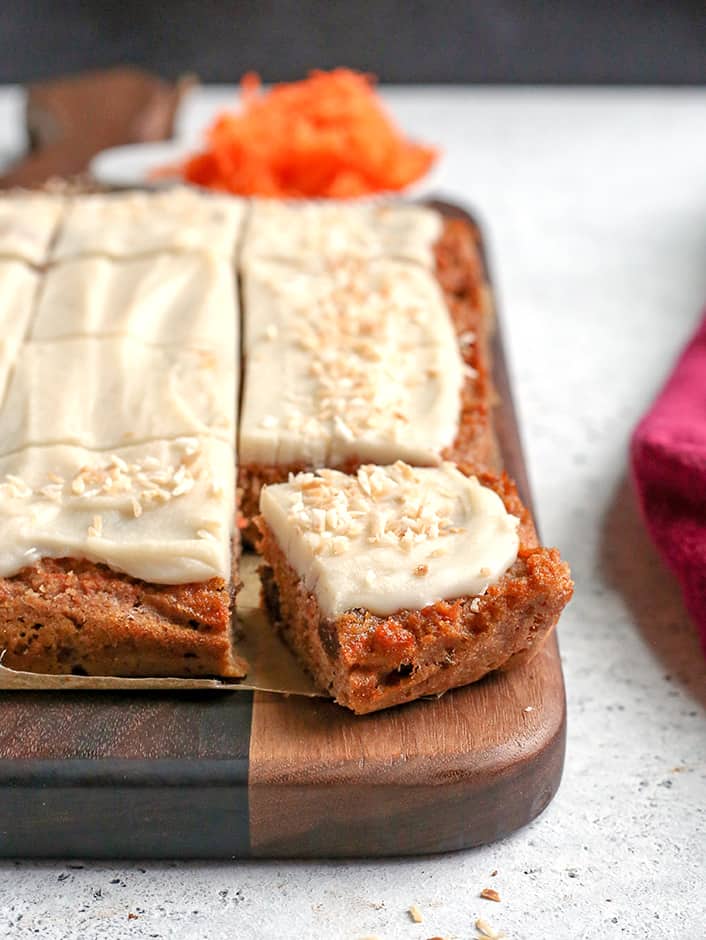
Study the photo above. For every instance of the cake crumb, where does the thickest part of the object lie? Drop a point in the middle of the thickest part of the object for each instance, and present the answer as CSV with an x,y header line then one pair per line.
x,y
132,916
421,570
415,914
490,894
493,873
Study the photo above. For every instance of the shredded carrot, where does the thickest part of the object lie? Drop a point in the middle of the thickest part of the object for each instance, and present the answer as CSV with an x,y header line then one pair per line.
x,y
325,136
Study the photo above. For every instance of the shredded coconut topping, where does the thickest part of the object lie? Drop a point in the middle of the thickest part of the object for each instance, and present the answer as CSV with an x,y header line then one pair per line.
x,y
146,482
370,359
393,537
350,332
331,508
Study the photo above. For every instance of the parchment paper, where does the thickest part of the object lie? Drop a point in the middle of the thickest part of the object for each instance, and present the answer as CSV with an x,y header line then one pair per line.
x,y
272,667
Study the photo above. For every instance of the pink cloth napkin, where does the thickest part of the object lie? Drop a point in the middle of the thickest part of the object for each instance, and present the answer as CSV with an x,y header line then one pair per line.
x,y
668,454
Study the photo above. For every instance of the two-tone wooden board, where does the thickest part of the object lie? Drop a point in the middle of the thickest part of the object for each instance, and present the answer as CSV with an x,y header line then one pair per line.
x,y
221,774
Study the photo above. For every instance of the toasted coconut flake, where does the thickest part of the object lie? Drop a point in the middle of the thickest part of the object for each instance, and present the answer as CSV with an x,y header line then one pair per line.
x,y
484,928
490,894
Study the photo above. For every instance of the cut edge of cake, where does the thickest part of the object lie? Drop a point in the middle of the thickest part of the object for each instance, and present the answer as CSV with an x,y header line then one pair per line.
x,y
70,616
368,662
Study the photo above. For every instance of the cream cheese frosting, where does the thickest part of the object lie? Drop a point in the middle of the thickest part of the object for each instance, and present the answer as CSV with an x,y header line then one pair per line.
x,y
28,222
189,299
161,511
18,289
391,538
119,384
104,393
366,362
313,233
121,225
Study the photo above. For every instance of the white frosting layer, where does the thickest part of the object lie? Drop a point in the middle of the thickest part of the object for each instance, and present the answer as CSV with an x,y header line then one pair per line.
x,y
391,538
188,299
119,375
27,225
314,233
121,225
360,361
105,393
18,289
161,511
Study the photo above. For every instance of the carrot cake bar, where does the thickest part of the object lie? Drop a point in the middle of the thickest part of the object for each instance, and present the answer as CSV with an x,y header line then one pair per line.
x,y
375,353
118,544
398,582
119,563
105,393
187,299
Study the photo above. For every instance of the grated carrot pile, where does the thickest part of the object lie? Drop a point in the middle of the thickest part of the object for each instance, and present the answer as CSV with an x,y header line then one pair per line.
x,y
325,136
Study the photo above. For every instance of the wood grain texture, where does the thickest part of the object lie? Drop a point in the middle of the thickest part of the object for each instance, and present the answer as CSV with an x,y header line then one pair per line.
x,y
431,776
465,769
124,775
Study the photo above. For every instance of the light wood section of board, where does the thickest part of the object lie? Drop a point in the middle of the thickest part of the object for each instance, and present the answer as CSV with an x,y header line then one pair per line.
x,y
405,780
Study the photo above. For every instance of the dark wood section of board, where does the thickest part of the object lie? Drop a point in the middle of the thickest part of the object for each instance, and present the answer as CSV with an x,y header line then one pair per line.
x,y
234,774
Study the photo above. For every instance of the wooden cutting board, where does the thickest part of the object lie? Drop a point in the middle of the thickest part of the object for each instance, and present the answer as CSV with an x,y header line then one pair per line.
x,y
215,775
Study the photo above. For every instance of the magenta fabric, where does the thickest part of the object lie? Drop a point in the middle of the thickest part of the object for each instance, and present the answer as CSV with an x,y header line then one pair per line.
x,y
668,454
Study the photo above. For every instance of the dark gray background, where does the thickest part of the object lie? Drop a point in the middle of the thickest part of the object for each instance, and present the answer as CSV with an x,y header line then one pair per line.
x,y
625,41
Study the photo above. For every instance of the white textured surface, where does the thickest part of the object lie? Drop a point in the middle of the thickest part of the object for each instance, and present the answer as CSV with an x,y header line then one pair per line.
x,y
595,206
